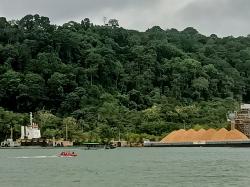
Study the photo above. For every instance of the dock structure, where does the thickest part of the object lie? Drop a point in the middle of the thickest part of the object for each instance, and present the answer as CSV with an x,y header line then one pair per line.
x,y
242,120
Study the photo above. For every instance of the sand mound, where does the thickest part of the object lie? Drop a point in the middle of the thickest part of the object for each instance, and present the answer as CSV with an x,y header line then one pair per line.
x,y
220,135
189,136
236,135
168,137
178,136
198,136
208,135
204,135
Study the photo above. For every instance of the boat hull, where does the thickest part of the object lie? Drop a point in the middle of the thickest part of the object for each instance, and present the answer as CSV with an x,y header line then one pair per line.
x,y
66,156
195,144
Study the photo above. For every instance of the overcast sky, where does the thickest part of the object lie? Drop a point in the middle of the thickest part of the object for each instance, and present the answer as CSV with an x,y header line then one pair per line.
x,y
222,17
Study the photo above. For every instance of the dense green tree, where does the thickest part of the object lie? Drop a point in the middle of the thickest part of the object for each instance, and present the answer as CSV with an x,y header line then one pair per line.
x,y
107,82
70,128
113,23
12,120
50,125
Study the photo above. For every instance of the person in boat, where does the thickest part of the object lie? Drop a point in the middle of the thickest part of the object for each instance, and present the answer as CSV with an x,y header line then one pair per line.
x,y
67,153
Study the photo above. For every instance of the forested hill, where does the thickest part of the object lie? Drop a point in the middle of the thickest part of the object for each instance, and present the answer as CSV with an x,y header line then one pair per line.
x,y
103,78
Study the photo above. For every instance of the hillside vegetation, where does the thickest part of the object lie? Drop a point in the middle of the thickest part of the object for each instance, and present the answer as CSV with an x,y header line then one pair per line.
x,y
106,80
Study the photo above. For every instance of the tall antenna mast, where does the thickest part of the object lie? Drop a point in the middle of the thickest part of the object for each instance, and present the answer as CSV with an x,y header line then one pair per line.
x,y
105,21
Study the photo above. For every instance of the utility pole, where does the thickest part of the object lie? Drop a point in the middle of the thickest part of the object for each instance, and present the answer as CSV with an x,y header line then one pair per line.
x,y
11,132
119,135
66,131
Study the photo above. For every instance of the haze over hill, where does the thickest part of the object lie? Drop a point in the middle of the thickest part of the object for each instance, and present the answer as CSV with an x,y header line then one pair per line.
x,y
221,17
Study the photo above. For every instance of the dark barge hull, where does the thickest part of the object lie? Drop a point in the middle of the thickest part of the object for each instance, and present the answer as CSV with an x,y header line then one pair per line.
x,y
195,144
34,142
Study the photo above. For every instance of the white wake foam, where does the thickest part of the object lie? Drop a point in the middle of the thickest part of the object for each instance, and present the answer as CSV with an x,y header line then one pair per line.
x,y
23,157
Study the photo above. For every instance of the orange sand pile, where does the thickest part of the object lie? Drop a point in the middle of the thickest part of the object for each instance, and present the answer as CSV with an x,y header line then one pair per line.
x,y
168,137
199,135
176,135
236,135
204,135
189,136
220,135
208,134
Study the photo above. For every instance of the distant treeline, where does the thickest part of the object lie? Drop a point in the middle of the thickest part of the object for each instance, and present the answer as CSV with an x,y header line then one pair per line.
x,y
106,80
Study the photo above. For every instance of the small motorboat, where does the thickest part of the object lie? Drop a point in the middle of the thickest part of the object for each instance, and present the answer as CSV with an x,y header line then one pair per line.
x,y
67,154
111,146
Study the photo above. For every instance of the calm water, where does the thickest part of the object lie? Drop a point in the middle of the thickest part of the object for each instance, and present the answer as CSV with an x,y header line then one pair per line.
x,y
126,167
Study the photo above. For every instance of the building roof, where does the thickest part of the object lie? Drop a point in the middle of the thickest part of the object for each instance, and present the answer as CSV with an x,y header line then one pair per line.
x,y
245,106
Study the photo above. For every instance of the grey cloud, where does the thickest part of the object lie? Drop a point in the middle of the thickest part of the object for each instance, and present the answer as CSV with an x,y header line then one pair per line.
x,y
222,17
60,10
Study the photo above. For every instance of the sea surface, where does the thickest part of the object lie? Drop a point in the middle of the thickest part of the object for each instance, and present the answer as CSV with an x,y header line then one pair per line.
x,y
126,167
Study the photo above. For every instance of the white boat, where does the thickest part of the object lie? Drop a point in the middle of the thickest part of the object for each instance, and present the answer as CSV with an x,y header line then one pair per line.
x,y
10,143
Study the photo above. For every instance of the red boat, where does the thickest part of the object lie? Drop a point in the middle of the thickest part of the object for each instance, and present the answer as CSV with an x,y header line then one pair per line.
x,y
67,154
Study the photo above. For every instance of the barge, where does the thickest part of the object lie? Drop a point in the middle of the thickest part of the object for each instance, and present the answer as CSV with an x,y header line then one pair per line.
x,y
200,144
